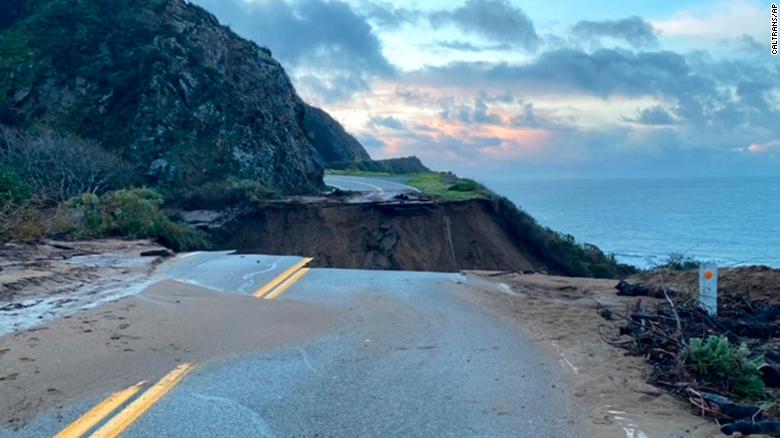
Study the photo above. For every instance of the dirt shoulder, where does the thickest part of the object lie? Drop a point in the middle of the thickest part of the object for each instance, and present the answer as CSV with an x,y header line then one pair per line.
x,y
560,314
760,283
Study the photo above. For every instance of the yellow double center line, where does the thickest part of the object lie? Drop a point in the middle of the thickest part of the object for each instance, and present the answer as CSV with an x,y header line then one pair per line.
x,y
115,426
280,284
131,413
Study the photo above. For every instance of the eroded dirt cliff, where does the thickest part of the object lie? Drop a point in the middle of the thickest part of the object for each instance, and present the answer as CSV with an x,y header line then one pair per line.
x,y
425,236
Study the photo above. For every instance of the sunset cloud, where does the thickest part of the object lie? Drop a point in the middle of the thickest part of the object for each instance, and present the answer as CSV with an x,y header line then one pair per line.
x,y
760,148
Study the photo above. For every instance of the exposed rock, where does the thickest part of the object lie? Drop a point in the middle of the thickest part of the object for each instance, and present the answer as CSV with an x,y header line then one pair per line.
x,y
401,165
336,146
157,81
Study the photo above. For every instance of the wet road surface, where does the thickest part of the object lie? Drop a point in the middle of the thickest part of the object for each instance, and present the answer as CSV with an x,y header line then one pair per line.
x,y
410,356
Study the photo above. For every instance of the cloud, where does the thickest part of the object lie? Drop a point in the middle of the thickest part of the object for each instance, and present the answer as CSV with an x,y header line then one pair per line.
x,y
603,73
387,16
497,20
633,30
476,113
465,46
714,21
760,148
333,49
727,95
386,122
654,116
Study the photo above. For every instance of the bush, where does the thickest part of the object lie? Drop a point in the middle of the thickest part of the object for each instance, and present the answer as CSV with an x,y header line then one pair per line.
x,y
718,363
20,222
60,166
131,213
560,251
13,191
466,185
225,193
679,262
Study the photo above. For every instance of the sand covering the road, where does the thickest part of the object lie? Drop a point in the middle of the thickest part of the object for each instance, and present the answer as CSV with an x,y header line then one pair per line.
x,y
138,338
37,269
43,280
559,313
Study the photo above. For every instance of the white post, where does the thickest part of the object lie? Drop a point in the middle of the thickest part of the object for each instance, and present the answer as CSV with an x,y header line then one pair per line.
x,y
708,288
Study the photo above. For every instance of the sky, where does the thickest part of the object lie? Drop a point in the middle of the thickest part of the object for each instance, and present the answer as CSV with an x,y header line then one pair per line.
x,y
500,89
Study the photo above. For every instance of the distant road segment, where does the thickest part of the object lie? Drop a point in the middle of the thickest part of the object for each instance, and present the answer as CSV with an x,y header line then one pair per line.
x,y
375,188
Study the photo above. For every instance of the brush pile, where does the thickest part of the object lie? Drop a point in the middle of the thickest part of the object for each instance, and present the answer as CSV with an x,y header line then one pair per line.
x,y
726,365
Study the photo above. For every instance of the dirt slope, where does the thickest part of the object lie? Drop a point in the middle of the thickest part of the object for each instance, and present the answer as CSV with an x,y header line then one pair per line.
x,y
424,236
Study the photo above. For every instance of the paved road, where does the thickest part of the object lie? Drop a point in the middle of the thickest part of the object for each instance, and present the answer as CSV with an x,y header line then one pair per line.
x,y
373,188
410,356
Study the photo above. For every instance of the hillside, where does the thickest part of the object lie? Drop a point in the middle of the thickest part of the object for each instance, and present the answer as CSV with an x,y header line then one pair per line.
x,y
159,83
334,144
340,150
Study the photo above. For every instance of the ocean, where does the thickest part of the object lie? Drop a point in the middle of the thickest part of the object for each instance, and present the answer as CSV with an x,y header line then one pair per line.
x,y
731,221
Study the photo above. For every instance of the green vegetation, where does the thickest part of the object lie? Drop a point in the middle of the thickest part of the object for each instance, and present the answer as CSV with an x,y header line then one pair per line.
x,y
560,251
60,166
448,186
227,192
13,190
679,262
390,166
717,363
129,213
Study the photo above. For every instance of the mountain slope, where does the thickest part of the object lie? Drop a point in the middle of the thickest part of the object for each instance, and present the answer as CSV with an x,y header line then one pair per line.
x,y
160,83
334,144
340,150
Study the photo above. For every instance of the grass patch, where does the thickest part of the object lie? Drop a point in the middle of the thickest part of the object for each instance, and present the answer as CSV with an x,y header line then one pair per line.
x,y
448,186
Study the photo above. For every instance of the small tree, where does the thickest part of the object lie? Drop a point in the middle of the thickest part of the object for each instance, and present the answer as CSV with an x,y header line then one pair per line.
x,y
60,166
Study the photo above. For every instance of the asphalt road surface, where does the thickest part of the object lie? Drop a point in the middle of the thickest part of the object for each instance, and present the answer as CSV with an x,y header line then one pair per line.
x,y
409,355
370,187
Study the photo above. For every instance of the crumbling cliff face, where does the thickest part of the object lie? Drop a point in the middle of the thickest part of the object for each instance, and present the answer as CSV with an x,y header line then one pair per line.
x,y
443,236
160,83
417,235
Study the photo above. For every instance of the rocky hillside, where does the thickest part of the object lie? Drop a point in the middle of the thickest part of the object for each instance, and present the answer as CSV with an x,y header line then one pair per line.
x,y
340,150
335,145
159,83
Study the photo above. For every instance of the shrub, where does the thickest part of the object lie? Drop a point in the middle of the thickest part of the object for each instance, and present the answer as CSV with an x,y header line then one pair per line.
x,y
560,251
13,191
131,213
226,192
679,262
19,222
716,362
60,166
466,185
